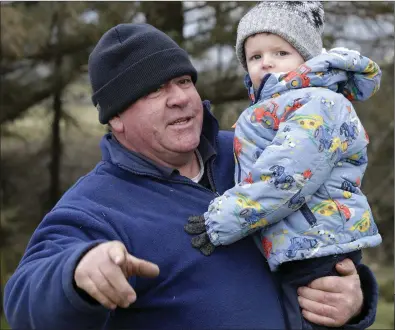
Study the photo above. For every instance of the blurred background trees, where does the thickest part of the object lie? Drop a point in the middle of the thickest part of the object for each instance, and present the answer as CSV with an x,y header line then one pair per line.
x,y
49,127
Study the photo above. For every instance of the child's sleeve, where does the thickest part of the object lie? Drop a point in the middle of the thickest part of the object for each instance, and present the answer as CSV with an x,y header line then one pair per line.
x,y
366,74
286,174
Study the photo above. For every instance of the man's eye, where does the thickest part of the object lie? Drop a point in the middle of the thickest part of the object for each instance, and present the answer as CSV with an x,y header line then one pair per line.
x,y
185,82
156,93
158,90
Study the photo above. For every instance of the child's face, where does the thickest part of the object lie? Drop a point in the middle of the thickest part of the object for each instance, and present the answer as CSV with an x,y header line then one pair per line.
x,y
269,53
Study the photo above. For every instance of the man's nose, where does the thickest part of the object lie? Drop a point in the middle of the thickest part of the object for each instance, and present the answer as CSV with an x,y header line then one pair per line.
x,y
177,97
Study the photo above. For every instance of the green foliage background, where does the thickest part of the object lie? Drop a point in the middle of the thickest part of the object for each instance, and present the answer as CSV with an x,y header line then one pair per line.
x,y
49,128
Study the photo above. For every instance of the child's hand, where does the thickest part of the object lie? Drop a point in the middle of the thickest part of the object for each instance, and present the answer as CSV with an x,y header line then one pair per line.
x,y
196,225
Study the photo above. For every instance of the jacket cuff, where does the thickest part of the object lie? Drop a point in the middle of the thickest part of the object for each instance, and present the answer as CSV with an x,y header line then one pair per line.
x,y
370,299
74,295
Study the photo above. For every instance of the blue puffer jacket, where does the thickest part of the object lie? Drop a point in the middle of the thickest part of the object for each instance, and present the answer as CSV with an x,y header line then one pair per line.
x,y
300,151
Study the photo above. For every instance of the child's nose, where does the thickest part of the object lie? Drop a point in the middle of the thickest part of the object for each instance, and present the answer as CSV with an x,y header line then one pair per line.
x,y
267,64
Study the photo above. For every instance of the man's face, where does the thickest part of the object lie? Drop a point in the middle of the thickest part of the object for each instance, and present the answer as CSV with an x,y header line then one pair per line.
x,y
165,122
269,53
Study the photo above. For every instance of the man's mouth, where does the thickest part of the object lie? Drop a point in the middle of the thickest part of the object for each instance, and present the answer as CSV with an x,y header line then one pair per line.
x,y
181,121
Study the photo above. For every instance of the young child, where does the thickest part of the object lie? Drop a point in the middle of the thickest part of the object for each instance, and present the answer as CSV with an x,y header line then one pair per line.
x,y
300,152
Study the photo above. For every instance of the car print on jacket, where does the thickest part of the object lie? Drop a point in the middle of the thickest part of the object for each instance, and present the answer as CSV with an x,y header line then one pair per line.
x,y
298,78
324,137
300,243
350,131
253,217
327,142
280,178
308,122
331,207
298,169
349,186
357,159
364,224
267,114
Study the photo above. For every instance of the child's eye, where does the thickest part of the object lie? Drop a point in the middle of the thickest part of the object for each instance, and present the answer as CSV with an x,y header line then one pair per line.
x,y
255,57
282,53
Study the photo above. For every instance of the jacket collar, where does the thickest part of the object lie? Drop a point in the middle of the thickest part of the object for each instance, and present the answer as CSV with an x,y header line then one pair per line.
x,y
114,152
340,70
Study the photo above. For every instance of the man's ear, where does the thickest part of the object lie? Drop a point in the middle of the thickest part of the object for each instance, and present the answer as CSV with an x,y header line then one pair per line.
x,y
116,124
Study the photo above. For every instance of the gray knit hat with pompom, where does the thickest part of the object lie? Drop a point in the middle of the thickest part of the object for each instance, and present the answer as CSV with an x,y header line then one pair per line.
x,y
301,23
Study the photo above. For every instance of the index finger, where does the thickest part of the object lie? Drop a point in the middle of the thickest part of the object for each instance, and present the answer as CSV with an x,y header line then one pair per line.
x,y
119,290
140,267
117,253
328,284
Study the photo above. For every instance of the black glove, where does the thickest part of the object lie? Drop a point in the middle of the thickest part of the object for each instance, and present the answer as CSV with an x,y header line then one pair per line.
x,y
196,225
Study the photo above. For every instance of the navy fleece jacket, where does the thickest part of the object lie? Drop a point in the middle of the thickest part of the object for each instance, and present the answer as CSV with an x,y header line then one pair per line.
x,y
128,199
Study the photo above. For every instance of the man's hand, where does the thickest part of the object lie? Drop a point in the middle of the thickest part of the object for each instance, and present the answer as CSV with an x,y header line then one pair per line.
x,y
104,270
196,225
333,300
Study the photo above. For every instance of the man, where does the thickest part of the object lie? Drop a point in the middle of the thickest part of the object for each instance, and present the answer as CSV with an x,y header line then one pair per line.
x,y
85,264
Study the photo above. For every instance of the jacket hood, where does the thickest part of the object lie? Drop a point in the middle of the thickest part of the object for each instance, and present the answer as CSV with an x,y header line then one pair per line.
x,y
340,70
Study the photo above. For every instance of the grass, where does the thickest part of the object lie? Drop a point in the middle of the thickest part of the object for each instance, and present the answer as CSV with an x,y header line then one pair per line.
x,y
384,317
385,308
3,323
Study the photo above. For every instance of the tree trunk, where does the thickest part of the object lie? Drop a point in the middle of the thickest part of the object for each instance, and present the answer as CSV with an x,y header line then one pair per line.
x,y
56,143
56,150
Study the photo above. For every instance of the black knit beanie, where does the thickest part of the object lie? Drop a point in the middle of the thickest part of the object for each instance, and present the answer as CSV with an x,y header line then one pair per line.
x,y
131,61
